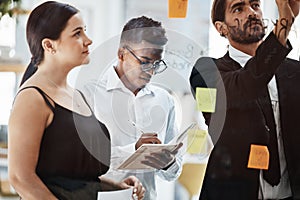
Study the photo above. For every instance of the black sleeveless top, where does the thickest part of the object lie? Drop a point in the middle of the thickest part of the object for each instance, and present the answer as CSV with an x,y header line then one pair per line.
x,y
73,146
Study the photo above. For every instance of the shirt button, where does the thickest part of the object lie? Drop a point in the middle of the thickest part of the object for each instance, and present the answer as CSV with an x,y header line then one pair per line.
x,y
267,128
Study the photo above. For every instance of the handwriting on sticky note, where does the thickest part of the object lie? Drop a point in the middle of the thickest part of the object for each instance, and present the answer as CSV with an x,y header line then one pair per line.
x,y
177,8
206,99
258,157
196,141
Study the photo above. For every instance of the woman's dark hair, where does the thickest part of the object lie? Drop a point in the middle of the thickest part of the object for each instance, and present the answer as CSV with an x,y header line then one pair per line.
x,y
47,20
218,11
143,28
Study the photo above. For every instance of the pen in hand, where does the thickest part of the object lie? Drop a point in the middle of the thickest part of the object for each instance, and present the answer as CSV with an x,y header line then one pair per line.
x,y
145,138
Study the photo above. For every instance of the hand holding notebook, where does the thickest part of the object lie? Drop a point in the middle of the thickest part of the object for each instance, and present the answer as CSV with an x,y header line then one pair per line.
x,y
155,156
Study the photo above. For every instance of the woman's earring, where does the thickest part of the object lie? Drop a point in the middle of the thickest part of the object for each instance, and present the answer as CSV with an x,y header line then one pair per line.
x,y
53,51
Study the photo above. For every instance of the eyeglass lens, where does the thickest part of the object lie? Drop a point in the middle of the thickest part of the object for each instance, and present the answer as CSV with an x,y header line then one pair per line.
x,y
158,66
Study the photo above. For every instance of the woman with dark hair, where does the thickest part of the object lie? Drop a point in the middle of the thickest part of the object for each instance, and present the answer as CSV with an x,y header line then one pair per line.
x,y
57,149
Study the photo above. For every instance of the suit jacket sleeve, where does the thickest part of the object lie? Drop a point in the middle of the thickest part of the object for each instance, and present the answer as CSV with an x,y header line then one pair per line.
x,y
241,84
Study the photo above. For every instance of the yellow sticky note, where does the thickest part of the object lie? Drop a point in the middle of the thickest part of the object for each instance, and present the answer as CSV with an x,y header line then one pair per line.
x,y
258,157
177,8
196,141
206,99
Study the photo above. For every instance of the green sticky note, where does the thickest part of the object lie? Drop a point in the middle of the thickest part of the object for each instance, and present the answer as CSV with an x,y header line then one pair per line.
x,y
196,141
206,99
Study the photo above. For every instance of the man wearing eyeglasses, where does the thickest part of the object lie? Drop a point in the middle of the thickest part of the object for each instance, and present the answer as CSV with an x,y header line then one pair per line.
x,y
135,111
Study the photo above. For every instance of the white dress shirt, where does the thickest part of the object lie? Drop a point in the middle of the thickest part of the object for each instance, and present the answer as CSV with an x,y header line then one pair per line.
x,y
283,189
151,110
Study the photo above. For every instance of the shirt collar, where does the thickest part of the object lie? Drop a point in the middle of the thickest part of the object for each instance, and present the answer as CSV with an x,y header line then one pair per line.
x,y
112,79
113,82
239,56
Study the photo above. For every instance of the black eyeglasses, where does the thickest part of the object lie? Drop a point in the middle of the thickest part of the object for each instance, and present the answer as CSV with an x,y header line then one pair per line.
x,y
158,66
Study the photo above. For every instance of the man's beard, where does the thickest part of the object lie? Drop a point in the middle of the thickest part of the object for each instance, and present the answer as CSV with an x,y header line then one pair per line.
x,y
253,31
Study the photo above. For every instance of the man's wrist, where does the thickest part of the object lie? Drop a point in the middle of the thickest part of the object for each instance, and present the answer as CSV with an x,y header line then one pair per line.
x,y
170,164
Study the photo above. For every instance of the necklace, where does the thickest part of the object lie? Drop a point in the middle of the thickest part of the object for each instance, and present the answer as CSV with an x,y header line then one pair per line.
x,y
73,97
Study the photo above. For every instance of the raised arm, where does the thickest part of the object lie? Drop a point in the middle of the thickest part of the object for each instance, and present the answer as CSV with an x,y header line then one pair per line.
x,y
288,11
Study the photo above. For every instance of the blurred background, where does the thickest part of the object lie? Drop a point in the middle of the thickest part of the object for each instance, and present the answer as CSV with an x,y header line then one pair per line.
x,y
189,38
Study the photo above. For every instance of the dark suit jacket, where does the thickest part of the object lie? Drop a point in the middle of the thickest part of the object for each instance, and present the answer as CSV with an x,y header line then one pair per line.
x,y
244,116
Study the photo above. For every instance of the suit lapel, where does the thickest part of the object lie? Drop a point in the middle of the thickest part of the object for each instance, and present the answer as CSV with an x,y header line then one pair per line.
x,y
230,63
